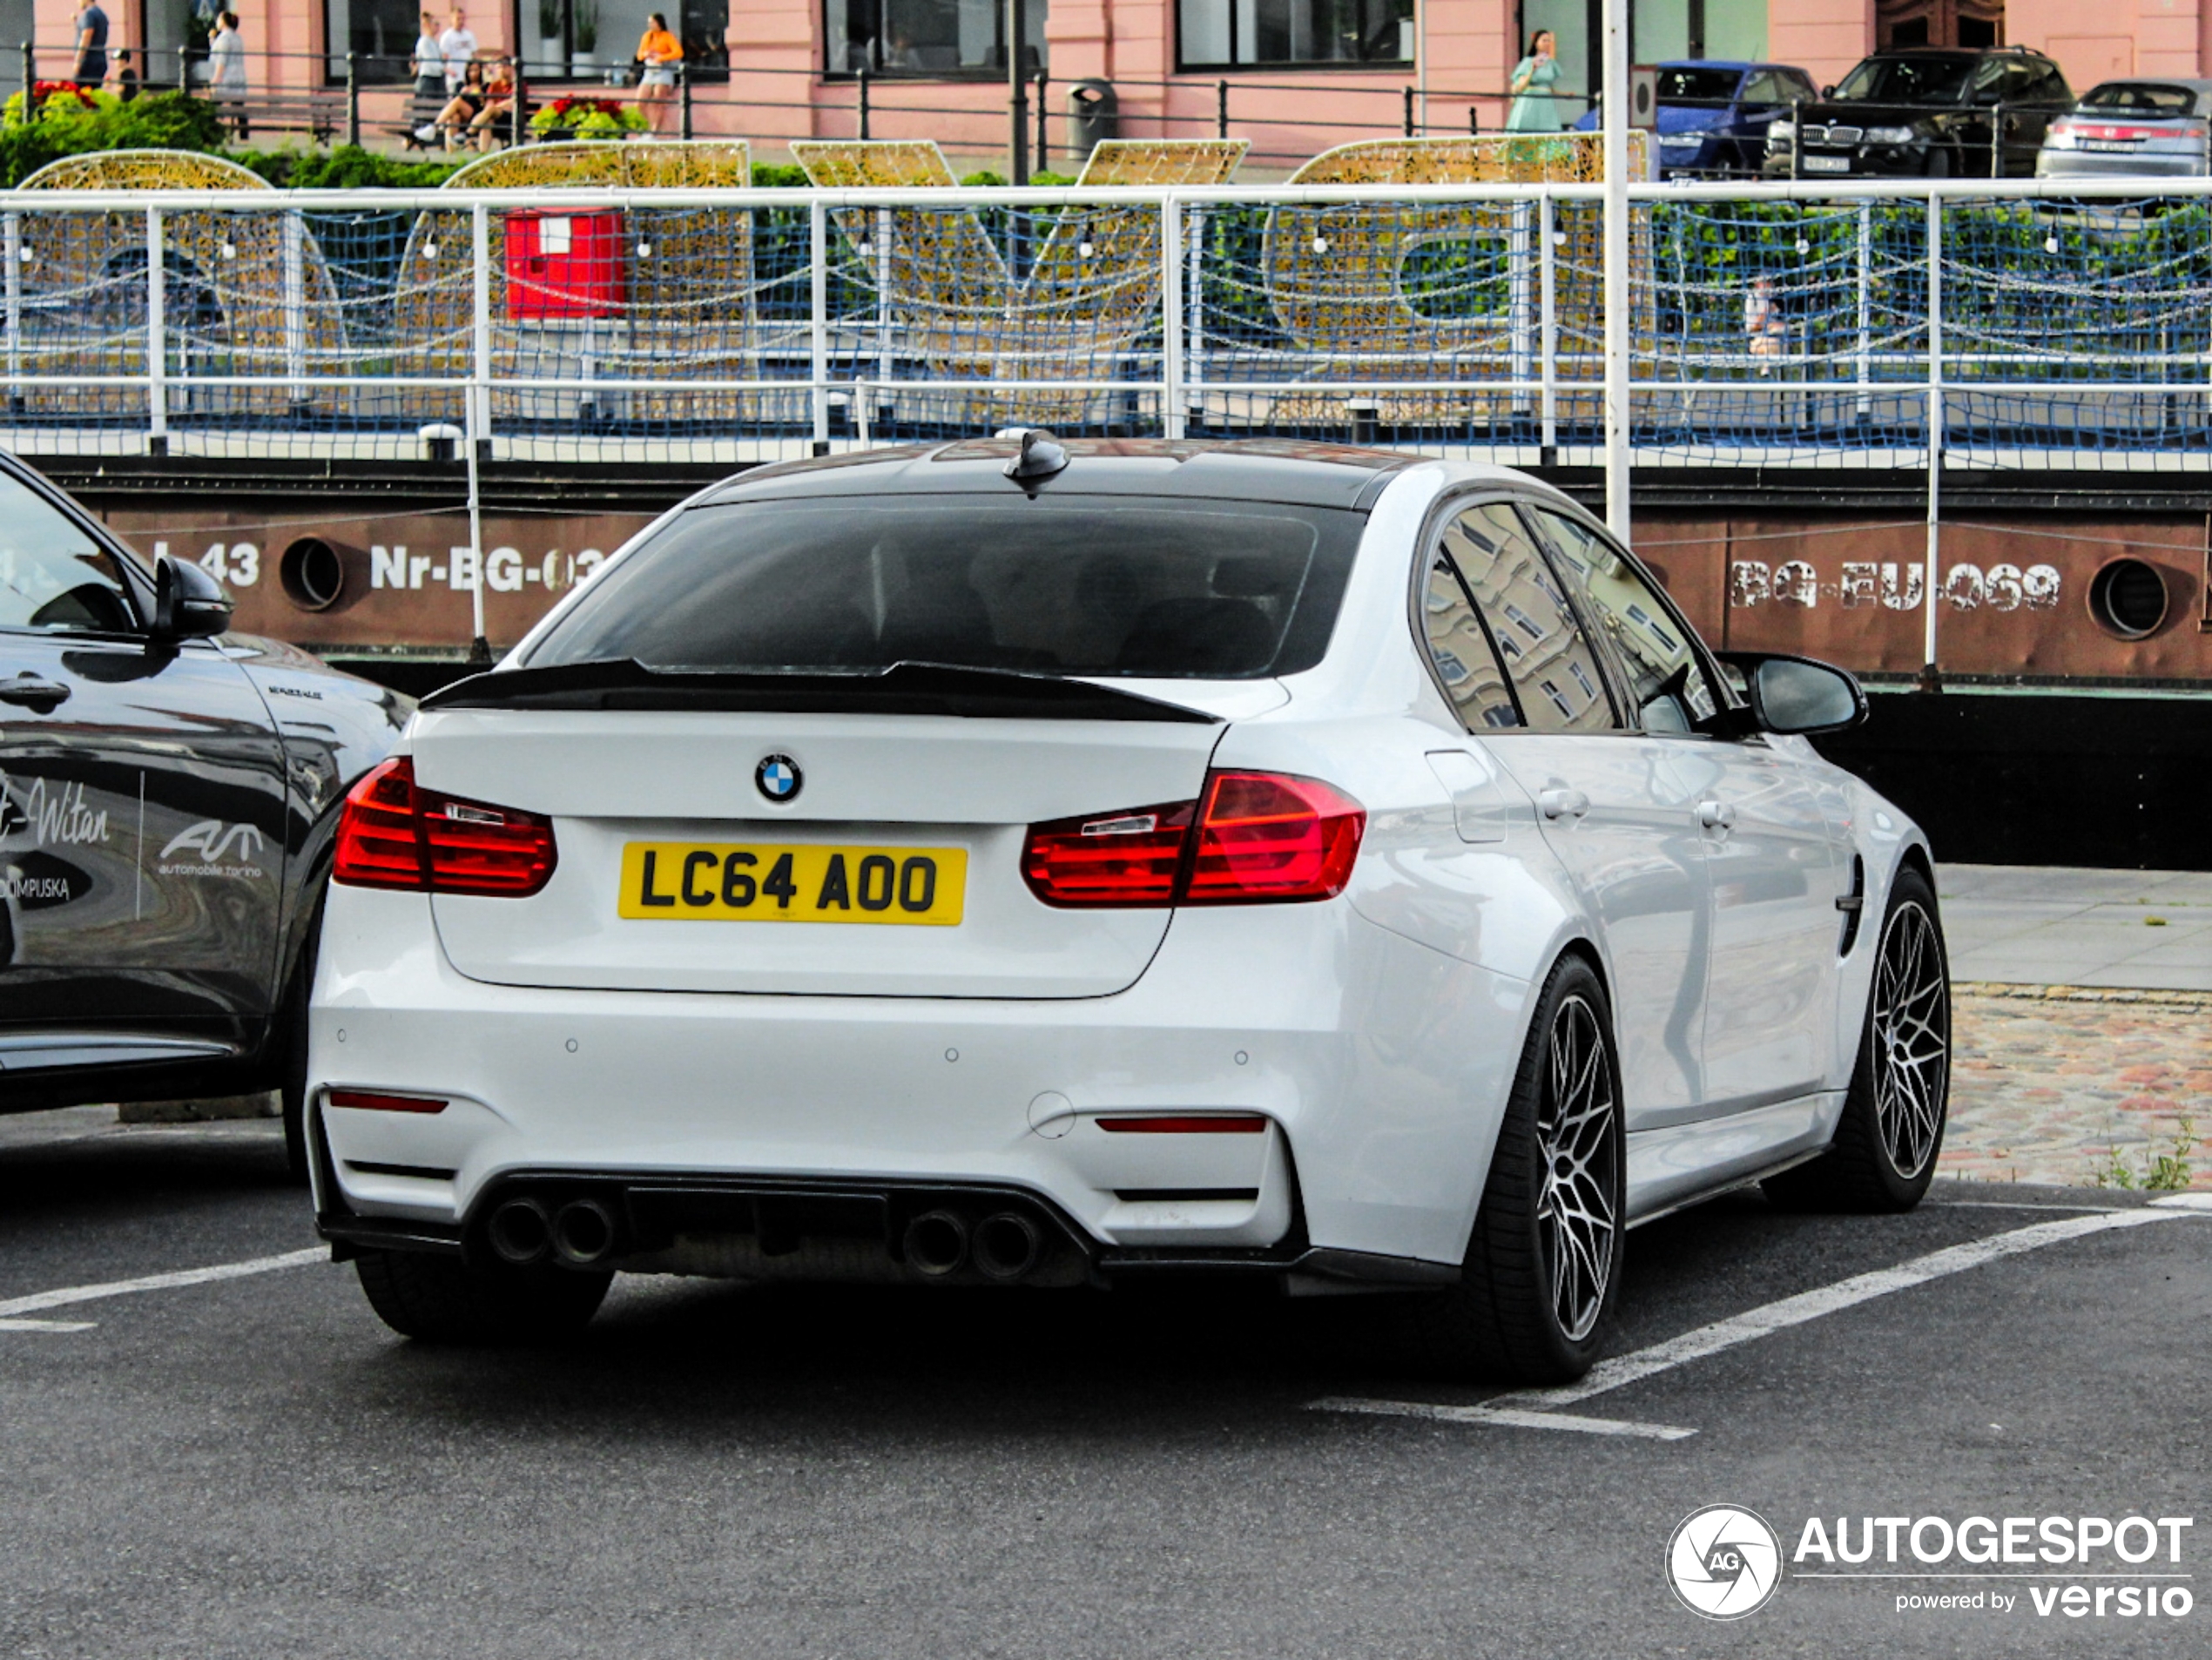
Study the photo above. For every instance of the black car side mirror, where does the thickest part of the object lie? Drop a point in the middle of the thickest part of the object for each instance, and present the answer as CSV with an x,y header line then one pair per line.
x,y
1796,695
1827,92
188,603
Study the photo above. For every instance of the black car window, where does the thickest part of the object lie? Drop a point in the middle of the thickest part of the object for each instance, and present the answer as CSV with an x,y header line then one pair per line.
x,y
1465,655
1060,584
1659,656
2140,98
1681,84
1920,79
53,574
2046,85
1555,674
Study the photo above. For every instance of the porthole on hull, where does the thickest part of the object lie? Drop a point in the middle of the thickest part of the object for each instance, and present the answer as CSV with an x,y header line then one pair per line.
x,y
313,574
2128,598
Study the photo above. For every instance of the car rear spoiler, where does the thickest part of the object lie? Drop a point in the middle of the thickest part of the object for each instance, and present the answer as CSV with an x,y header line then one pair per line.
x,y
902,688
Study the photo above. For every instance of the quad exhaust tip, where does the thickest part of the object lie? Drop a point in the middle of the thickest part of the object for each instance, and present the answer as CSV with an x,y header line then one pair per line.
x,y
1005,1245
521,1231
583,1233
936,1243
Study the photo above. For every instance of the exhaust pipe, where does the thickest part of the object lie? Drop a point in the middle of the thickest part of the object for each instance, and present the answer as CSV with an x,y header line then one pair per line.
x,y
936,1243
520,1231
1007,1246
584,1233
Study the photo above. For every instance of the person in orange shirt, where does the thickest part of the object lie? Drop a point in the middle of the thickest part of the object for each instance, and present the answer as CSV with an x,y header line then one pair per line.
x,y
660,52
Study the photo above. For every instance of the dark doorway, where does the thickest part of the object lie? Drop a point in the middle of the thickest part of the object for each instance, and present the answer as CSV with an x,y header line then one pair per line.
x,y
1939,22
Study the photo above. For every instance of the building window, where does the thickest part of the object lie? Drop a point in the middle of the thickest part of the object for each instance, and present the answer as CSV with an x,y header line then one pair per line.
x,y
586,40
1236,34
380,33
937,39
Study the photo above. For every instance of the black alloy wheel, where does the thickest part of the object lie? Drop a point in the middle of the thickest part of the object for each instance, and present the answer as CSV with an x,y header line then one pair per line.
x,y
1884,1156
1542,1271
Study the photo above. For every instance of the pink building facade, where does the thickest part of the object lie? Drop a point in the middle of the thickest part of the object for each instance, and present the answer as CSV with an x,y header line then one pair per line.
x,y
1299,74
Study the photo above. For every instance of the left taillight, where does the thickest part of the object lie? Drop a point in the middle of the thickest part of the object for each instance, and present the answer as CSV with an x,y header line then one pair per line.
x,y
1250,838
391,832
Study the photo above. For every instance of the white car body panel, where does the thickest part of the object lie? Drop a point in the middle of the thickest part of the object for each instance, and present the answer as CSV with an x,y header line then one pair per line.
x,y
1377,1032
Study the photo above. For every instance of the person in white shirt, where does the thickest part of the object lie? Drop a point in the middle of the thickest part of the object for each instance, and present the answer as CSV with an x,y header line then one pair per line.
x,y
458,46
227,69
428,63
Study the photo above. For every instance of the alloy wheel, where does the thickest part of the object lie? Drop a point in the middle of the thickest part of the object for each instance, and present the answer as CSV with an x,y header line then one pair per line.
x,y
1577,1214
1911,1039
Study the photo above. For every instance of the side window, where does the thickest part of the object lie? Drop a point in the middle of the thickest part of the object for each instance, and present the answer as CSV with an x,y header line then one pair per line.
x,y
1798,86
53,575
1666,680
1763,88
1466,656
1554,673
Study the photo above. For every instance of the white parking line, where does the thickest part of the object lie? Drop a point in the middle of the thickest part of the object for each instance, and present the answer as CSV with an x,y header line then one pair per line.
x,y
39,1301
1512,1417
1533,1407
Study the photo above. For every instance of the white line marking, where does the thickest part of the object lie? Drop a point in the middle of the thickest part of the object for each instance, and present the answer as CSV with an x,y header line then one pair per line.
x,y
1536,1409
2186,1202
1512,1417
69,1294
47,1325
1810,1306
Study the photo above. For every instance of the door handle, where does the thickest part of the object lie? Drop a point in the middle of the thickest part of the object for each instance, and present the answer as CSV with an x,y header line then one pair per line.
x,y
1716,815
28,690
1563,804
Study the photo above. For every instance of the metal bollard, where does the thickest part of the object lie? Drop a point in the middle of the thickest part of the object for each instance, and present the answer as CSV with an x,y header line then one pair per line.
x,y
684,99
30,83
352,101
1220,107
1043,148
1409,111
862,77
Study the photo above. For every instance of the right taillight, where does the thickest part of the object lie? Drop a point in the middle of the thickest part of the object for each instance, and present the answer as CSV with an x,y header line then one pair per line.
x,y
1250,838
391,832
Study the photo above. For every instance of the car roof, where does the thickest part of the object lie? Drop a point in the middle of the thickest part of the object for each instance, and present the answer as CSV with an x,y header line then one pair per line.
x,y
2193,85
1259,469
1737,63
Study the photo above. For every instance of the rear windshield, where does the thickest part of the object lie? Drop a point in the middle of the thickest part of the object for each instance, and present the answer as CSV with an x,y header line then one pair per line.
x,y
1697,85
1061,584
2140,97
1908,80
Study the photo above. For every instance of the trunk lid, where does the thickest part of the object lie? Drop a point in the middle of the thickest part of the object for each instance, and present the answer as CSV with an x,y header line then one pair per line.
x,y
955,793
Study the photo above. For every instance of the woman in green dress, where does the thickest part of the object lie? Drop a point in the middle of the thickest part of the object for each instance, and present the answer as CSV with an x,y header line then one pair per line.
x,y
1533,109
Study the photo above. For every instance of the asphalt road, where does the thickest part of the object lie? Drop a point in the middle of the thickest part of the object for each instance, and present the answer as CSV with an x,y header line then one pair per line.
x,y
257,1467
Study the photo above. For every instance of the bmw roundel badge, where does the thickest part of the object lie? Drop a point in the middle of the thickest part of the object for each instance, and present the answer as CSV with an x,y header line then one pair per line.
x,y
778,777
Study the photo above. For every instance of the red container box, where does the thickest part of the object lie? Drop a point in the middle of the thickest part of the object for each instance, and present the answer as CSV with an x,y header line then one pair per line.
x,y
566,264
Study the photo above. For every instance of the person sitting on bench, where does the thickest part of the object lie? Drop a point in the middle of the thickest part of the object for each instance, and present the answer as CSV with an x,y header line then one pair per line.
x,y
499,105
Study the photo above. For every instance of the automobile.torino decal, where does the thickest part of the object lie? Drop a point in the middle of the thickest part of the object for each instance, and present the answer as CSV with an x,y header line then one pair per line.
x,y
59,818
211,839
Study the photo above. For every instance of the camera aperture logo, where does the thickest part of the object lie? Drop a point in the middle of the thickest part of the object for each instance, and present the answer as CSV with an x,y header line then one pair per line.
x,y
1724,1561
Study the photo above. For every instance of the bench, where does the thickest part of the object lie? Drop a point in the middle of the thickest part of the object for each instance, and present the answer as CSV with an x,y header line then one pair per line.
x,y
317,112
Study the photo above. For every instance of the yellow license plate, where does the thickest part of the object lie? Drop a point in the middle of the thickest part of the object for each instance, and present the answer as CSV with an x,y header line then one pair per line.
x,y
715,882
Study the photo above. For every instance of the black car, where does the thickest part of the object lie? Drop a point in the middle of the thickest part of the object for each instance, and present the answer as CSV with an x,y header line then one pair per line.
x,y
1928,111
168,793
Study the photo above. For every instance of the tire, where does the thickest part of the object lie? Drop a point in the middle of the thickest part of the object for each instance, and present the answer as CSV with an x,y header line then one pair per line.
x,y
1887,1140
1537,1292
1939,163
437,1299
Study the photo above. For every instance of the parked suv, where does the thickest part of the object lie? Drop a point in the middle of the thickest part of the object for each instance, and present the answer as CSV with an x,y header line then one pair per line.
x,y
1925,112
1713,115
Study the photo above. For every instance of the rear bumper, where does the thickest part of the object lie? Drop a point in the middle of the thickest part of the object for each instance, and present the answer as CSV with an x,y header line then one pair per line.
x,y
1379,1066
2073,163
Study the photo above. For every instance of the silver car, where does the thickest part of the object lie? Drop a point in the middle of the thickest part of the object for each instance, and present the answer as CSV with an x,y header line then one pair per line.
x,y
2133,129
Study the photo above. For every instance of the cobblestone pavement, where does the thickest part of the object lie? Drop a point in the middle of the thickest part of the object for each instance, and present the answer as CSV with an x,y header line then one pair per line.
x,y
2064,1085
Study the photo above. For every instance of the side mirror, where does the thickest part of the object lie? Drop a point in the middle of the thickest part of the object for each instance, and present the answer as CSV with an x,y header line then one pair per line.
x,y
188,603
1795,695
1827,92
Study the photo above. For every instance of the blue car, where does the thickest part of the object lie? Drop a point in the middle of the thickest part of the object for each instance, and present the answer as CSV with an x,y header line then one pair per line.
x,y
1714,114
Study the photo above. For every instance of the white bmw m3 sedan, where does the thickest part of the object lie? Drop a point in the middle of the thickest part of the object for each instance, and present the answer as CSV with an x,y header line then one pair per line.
x,y
1063,864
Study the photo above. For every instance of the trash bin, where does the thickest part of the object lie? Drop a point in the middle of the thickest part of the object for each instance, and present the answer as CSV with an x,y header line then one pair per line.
x,y
1094,112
